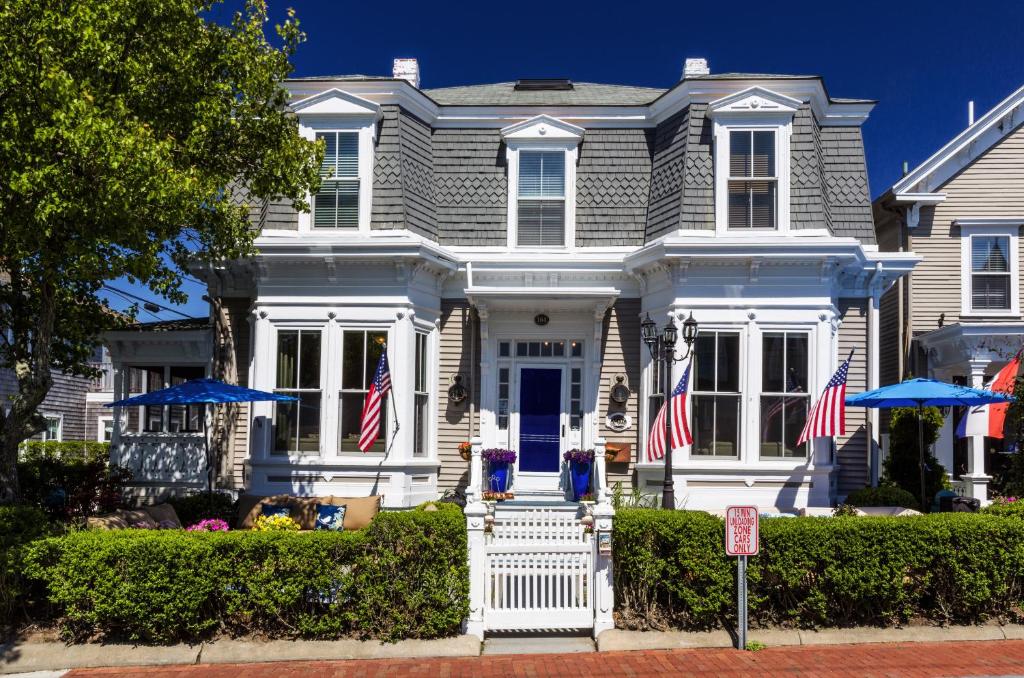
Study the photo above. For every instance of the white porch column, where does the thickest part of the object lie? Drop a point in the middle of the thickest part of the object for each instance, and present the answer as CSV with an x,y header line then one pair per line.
x,y
476,514
604,579
262,376
975,481
402,354
874,346
120,392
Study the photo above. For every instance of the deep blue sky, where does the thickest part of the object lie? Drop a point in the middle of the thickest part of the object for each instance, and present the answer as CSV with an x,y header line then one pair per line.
x,y
923,61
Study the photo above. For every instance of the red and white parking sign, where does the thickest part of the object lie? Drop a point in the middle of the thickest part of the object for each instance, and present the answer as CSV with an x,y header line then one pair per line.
x,y
741,531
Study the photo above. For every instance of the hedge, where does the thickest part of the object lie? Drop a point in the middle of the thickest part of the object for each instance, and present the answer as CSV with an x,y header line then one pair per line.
x,y
405,576
19,525
70,479
671,570
884,495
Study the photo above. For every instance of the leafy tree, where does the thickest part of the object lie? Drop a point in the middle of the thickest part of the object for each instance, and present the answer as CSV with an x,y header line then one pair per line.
x,y
902,465
128,129
1012,481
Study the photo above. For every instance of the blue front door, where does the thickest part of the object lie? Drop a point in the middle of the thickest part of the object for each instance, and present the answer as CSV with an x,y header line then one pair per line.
x,y
540,410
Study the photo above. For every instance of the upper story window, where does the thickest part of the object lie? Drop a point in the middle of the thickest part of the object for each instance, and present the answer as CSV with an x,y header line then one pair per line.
x,y
541,220
753,179
752,130
336,204
990,268
541,154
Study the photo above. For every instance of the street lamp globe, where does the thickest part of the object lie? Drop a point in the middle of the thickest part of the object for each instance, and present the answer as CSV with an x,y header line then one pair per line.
x,y
689,330
649,331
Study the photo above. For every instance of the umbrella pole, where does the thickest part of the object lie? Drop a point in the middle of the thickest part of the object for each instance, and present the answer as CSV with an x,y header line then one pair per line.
x,y
920,452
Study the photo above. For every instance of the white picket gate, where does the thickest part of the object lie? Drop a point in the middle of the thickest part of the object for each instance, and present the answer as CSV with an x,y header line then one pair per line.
x,y
538,572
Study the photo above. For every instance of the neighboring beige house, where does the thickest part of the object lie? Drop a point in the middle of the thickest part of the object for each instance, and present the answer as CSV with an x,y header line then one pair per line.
x,y
958,317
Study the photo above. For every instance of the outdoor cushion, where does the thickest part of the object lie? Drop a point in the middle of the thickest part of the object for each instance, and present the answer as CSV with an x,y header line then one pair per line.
x,y
304,511
163,513
139,518
330,517
248,509
275,510
109,521
359,510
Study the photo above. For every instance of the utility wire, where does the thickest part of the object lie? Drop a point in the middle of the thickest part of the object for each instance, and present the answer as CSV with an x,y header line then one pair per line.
x,y
147,301
132,301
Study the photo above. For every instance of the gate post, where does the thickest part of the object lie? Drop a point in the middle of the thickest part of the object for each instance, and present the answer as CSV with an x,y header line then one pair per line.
x,y
604,576
476,512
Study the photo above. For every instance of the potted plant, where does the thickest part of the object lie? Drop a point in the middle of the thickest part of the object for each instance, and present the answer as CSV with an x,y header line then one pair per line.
x,y
580,462
465,451
498,460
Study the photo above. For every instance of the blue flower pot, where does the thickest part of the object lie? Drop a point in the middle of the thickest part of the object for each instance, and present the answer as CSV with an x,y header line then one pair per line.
x,y
579,472
498,471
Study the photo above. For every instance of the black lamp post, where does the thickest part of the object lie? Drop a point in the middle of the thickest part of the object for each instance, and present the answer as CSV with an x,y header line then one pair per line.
x,y
663,352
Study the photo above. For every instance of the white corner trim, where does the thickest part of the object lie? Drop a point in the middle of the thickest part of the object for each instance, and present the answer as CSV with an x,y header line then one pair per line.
x,y
972,228
543,128
754,100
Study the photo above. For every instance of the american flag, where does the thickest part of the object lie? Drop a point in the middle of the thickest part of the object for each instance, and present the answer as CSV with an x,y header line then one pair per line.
x,y
370,421
680,427
828,416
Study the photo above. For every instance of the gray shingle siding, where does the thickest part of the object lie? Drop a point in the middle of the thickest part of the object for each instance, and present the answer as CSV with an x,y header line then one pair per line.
x,y
66,397
471,187
418,176
698,210
387,210
846,180
667,170
613,179
806,173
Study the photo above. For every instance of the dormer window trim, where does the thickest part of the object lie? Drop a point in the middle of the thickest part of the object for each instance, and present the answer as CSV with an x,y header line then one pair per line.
x,y
753,110
336,111
542,134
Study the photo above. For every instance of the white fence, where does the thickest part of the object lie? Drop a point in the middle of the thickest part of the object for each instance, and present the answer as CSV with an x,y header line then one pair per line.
x,y
175,459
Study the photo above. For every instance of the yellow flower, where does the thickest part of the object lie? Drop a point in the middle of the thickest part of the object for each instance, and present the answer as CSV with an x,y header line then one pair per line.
x,y
274,524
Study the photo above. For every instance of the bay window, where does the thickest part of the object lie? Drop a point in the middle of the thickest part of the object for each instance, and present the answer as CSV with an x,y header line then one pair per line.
x,y
360,353
716,395
297,423
336,204
784,393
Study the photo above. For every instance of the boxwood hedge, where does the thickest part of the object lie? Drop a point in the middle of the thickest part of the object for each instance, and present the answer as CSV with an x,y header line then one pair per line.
x,y
671,570
405,576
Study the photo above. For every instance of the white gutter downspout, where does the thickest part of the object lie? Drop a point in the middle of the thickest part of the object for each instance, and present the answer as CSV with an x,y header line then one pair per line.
x,y
875,290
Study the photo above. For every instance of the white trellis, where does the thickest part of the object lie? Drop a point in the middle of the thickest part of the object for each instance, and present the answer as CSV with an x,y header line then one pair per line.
x,y
538,568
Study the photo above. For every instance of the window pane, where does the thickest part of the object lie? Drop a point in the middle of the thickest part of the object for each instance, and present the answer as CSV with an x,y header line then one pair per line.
x,y
348,154
185,418
739,154
541,174
762,204
287,358
374,349
348,204
727,426
421,416
771,425
764,154
328,167
351,421
309,361
577,349
421,363
153,415
728,362
739,205
285,426
325,205
704,355
796,363
309,422
990,254
352,360
503,349
773,363
541,223
703,425
796,417
990,292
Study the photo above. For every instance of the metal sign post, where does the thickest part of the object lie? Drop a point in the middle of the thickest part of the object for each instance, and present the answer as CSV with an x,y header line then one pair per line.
x,y
742,537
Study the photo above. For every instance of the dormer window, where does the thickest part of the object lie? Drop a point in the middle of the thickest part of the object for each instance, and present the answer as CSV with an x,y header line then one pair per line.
x,y
541,218
541,158
752,129
336,204
753,179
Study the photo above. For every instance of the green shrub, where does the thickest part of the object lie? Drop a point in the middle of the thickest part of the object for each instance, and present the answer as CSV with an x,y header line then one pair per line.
x,y
884,495
195,507
1003,507
19,525
902,465
70,479
405,576
671,570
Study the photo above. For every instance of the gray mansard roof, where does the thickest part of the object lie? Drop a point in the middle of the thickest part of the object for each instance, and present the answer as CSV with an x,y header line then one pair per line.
x,y
581,94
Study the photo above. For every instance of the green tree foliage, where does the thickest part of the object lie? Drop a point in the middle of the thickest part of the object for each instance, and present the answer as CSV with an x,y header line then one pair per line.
x,y
901,466
134,134
1013,478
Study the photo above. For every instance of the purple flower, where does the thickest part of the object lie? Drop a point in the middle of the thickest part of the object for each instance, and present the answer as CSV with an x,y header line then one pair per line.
x,y
209,525
579,456
499,455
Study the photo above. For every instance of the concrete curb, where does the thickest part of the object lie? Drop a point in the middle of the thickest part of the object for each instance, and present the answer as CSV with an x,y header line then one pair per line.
x,y
50,656
617,640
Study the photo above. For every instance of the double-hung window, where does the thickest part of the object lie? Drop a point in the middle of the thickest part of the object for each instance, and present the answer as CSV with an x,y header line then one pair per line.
x,y
753,180
360,351
990,273
297,423
716,395
421,397
784,394
54,427
336,204
541,199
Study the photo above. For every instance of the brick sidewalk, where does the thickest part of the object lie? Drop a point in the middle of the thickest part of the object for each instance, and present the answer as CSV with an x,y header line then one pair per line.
x,y
908,659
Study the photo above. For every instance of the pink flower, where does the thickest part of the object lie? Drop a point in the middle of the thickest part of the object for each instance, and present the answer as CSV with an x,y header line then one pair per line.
x,y
209,525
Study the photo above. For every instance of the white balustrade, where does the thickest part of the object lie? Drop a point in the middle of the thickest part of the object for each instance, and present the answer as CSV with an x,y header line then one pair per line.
x,y
176,458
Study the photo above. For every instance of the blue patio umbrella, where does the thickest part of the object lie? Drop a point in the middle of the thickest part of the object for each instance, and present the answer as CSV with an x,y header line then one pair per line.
x,y
204,392
921,393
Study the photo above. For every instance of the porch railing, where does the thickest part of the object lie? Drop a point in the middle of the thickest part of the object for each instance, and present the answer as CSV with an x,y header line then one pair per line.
x,y
163,458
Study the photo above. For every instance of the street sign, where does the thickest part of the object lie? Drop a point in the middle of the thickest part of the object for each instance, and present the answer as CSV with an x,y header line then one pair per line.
x,y
741,531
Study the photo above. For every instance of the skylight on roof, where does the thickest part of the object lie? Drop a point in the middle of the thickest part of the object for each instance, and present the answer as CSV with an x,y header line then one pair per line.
x,y
543,84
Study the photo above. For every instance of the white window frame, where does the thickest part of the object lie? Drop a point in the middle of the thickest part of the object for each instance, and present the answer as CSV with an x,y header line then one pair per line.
x,y
974,228
60,426
542,133
294,455
101,425
337,380
754,109
758,383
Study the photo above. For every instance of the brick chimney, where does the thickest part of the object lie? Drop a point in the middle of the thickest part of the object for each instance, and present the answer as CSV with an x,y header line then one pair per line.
x,y
695,66
408,70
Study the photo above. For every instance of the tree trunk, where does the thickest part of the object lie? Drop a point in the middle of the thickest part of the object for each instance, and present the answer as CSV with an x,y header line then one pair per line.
x,y
10,491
